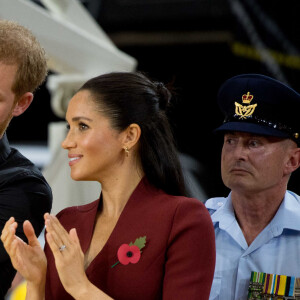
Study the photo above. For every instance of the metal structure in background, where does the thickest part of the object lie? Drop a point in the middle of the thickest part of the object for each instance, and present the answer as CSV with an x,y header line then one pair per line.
x,y
261,37
76,45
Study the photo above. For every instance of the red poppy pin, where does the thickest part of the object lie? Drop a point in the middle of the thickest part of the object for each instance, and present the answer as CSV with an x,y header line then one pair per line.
x,y
130,253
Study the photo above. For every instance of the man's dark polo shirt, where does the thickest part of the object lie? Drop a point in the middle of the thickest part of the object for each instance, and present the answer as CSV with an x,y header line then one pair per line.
x,y
25,195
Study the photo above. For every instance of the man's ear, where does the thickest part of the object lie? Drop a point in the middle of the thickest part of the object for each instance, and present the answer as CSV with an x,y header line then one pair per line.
x,y
132,135
294,160
22,104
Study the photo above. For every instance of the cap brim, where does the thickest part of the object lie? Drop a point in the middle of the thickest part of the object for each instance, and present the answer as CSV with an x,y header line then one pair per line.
x,y
251,128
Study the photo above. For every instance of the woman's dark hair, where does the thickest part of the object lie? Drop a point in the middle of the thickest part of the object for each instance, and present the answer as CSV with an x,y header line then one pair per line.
x,y
126,98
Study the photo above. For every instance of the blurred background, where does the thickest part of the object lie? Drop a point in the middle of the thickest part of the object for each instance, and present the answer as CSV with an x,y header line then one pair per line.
x,y
195,45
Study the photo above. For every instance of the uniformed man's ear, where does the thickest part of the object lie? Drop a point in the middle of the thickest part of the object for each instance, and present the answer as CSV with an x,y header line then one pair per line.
x,y
22,104
132,135
294,161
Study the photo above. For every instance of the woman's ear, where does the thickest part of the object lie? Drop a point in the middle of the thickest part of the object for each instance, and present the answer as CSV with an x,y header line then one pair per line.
x,y
131,135
22,104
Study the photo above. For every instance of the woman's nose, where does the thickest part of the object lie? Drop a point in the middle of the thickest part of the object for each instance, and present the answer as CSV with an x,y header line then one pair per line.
x,y
68,142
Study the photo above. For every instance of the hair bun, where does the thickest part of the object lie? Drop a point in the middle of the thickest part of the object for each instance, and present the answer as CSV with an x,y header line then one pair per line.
x,y
164,95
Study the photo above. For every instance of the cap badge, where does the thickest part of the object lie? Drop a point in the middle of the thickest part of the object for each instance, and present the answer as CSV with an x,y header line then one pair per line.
x,y
245,111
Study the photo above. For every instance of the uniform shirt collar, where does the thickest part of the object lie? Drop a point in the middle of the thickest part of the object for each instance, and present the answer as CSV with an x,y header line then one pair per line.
x,y
4,148
224,215
287,216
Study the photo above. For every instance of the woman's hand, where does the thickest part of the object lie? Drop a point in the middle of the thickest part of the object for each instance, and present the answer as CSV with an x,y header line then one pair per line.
x,y
69,258
28,259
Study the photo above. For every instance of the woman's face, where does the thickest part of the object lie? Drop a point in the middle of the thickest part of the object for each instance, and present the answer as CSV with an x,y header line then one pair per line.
x,y
94,149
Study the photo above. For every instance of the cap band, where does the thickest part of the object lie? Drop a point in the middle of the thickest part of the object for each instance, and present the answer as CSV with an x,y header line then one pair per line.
x,y
263,122
259,127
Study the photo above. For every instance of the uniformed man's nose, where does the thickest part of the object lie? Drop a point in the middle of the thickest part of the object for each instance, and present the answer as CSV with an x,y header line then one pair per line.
x,y
240,151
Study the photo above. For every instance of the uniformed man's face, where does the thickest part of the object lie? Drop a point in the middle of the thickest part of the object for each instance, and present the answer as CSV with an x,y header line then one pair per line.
x,y
253,163
7,96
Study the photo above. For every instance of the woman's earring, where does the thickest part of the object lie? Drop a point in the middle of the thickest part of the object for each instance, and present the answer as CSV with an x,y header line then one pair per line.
x,y
126,151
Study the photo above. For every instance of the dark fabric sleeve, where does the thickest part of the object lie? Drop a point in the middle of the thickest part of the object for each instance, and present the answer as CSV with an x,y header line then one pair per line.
x,y
191,254
27,198
7,274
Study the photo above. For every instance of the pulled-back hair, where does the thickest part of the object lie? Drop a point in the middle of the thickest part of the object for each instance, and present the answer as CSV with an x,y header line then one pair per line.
x,y
127,98
19,46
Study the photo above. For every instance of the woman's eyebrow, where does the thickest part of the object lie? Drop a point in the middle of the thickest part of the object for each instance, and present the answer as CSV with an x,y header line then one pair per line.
x,y
79,118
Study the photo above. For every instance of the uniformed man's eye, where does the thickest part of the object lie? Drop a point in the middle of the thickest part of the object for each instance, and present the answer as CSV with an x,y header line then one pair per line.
x,y
229,141
68,126
253,143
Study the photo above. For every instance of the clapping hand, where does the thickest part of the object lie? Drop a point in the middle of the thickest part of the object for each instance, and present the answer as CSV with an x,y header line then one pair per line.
x,y
69,258
28,259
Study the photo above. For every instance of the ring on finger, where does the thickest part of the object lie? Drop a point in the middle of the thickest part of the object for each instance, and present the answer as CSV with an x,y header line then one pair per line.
x,y
62,248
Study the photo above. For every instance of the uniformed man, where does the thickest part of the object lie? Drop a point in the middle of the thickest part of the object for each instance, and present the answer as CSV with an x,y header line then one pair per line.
x,y
257,226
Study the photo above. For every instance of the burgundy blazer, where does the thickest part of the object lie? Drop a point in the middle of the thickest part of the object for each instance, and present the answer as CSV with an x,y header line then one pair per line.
x,y
177,261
